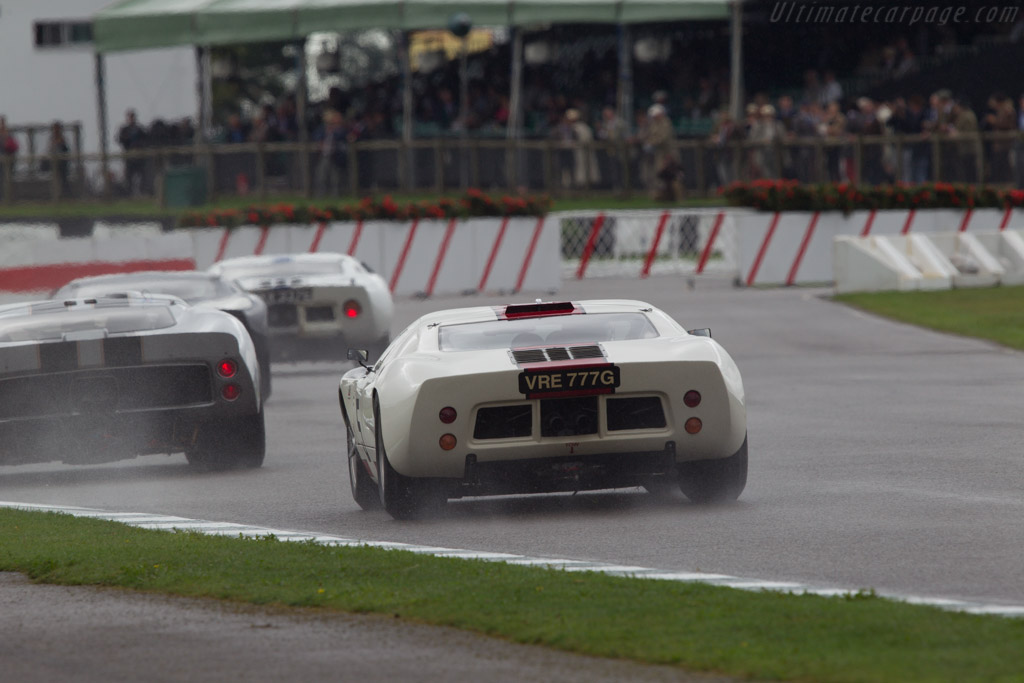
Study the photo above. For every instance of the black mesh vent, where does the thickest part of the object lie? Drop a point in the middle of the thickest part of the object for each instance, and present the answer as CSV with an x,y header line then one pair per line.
x,y
568,416
504,422
282,315
586,352
315,314
635,413
529,355
557,353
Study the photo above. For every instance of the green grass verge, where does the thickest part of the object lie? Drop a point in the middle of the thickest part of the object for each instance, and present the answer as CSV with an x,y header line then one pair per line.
x,y
149,208
693,626
993,313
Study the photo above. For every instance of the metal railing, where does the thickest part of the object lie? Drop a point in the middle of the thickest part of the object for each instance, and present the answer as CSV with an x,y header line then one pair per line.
x,y
265,171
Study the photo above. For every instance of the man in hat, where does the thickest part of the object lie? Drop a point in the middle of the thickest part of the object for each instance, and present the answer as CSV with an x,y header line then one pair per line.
x,y
660,140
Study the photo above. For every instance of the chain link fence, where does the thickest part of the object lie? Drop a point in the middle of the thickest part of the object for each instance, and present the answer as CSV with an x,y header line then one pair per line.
x,y
641,243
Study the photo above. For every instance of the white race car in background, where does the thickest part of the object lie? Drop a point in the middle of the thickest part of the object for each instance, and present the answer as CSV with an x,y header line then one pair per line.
x,y
317,304
544,397
93,380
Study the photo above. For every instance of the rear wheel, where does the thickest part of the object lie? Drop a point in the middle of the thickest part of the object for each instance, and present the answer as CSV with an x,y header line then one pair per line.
x,y
364,492
715,481
402,497
233,442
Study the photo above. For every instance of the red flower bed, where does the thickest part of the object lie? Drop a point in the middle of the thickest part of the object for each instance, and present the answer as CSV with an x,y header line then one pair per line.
x,y
473,203
789,195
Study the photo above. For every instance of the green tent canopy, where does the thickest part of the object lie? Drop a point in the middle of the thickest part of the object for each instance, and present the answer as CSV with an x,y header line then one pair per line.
x,y
144,24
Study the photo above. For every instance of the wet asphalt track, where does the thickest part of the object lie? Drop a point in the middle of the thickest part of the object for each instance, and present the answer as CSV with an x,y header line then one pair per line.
x,y
881,456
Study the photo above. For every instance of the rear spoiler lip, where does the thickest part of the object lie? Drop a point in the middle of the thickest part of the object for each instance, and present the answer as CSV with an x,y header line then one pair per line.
x,y
536,310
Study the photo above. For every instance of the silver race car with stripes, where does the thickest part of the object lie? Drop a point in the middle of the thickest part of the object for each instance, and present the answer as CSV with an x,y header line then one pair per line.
x,y
198,288
544,397
318,305
93,380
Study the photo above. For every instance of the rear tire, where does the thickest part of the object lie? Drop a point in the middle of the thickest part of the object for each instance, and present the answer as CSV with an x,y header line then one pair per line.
x,y
715,481
364,492
401,496
228,443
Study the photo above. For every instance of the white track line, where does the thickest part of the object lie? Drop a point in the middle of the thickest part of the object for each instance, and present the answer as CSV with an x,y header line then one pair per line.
x,y
168,522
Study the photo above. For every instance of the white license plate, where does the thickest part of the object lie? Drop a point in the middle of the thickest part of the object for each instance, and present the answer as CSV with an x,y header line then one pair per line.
x,y
287,295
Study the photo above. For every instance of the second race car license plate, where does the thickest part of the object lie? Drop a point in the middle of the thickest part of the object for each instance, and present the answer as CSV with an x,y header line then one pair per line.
x,y
579,381
287,296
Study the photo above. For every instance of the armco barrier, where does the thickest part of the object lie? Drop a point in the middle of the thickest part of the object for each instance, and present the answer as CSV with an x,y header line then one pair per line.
x,y
422,257
795,247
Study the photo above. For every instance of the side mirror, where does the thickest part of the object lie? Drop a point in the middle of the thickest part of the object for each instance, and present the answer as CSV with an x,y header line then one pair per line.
x,y
359,355
701,332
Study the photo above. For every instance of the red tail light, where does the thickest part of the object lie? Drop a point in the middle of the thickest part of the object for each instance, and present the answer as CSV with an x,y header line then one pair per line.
x,y
447,442
693,425
352,308
231,391
691,398
227,368
447,415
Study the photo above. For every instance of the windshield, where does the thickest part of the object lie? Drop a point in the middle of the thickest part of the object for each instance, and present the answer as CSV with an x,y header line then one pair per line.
x,y
189,289
557,329
57,323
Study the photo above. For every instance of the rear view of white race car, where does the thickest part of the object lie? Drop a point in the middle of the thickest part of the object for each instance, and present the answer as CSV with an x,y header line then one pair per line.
x,y
318,305
544,397
93,380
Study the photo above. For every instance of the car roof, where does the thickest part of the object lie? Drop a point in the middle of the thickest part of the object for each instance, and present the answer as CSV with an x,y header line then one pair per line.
x,y
298,258
60,305
143,276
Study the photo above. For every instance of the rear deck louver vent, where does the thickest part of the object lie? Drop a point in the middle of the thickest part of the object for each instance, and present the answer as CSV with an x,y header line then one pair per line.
x,y
556,353
529,355
586,351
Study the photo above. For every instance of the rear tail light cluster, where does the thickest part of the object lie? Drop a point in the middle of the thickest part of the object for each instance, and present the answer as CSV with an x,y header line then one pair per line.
x,y
227,369
447,415
692,399
352,308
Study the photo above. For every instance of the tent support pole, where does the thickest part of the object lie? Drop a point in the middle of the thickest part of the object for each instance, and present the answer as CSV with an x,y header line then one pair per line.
x,y
736,61
204,87
301,95
101,110
408,176
464,113
515,109
624,96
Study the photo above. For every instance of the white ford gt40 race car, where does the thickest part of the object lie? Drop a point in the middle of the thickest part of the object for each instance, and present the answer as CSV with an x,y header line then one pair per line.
x,y
544,397
92,380
318,305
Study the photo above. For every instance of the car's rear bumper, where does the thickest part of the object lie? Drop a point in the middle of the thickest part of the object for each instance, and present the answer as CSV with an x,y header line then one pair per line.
x,y
568,473
88,438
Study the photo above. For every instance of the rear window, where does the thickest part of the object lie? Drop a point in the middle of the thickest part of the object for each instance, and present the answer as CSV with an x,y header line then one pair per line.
x,y
57,324
287,268
546,331
189,289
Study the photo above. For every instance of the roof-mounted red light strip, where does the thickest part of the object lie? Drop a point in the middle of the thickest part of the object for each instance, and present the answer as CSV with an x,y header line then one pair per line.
x,y
537,310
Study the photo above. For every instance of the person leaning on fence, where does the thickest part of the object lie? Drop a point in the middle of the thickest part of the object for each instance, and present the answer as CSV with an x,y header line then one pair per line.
x,y
586,171
58,146
332,139
667,171
8,149
131,137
